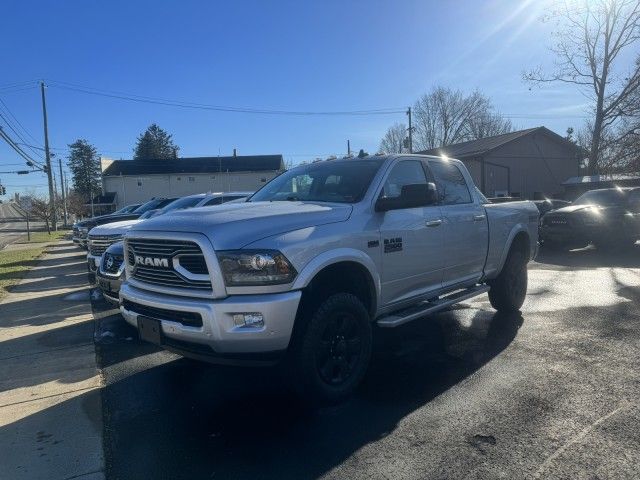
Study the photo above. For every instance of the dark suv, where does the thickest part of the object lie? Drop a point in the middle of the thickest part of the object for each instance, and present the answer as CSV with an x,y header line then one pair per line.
x,y
608,217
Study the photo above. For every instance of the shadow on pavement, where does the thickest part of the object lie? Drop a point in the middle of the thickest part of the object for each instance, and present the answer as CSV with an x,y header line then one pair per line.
x,y
183,419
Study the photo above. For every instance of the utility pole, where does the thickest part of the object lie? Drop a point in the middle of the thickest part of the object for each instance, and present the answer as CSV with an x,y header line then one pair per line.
x,y
348,148
64,196
52,197
410,131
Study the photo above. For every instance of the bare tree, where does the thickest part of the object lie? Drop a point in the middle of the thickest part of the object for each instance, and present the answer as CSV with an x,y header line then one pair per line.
x,y
590,37
488,124
77,204
393,140
446,116
40,207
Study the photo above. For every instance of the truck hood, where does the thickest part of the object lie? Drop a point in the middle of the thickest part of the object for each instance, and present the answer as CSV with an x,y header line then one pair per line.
x,y
573,208
115,228
93,222
233,226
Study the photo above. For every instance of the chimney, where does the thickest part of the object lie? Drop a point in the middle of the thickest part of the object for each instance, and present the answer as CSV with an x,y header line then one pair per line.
x,y
234,153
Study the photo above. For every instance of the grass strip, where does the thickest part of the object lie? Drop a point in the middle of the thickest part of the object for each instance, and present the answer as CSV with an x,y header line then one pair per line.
x,y
14,262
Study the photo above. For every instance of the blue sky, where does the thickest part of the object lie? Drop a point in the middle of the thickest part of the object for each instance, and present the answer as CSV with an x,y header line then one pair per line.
x,y
318,56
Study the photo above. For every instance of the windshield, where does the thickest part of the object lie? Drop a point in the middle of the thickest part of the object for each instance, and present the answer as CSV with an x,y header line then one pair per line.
x,y
153,204
181,203
603,198
127,209
329,181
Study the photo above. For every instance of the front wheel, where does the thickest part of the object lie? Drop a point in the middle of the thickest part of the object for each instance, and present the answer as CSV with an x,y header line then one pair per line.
x,y
332,355
509,288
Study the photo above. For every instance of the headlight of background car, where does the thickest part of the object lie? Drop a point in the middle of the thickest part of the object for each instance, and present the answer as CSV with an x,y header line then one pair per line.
x,y
255,267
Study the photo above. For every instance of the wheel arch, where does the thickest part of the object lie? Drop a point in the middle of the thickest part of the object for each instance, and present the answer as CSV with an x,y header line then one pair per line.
x,y
345,270
519,238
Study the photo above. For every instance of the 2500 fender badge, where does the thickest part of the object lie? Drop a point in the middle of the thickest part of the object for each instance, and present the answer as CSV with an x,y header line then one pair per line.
x,y
392,244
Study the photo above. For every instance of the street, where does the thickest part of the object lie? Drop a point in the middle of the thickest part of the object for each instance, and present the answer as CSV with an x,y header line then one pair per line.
x,y
550,393
12,224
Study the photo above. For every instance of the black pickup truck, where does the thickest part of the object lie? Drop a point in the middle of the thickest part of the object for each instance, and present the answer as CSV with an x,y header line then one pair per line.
x,y
608,218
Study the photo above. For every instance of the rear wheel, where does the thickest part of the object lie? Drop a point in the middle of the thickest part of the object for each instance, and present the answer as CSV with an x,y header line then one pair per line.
x,y
509,289
331,356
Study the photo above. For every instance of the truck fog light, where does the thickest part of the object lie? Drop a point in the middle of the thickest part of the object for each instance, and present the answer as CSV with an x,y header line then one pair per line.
x,y
252,320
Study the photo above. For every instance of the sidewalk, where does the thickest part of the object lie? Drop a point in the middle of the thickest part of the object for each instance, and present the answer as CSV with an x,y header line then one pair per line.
x,y
50,406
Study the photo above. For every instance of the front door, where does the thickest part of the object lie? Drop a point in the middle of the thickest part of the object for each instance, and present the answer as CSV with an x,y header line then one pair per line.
x,y
465,225
412,240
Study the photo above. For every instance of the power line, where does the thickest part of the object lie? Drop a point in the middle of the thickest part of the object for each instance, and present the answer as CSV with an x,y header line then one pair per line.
x,y
6,107
18,84
18,150
19,135
219,108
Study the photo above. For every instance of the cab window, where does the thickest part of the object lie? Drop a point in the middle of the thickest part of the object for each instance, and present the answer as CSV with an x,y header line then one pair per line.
x,y
407,172
450,183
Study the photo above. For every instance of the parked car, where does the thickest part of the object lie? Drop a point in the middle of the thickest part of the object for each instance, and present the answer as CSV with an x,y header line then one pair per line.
x,y
549,204
606,217
76,235
85,226
319,255
110,273
104,236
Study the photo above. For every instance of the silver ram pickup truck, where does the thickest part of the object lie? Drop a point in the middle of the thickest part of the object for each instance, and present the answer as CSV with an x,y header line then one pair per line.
x,y
307,267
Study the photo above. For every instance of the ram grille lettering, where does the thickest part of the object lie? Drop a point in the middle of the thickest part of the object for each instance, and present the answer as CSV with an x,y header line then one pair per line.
x,y
152,261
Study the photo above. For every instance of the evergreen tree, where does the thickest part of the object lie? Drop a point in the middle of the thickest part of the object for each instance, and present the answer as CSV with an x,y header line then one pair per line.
x,y
155,144
84,163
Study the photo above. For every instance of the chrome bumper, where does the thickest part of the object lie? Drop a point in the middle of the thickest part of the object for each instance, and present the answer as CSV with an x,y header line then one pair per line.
x,y
93,262
218,330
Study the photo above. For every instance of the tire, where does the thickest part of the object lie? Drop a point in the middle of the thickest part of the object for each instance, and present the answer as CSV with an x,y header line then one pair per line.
x,y
509,289
330,357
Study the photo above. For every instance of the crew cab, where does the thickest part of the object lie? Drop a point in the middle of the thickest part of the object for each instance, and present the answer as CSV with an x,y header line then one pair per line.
x,y
305,269
607,217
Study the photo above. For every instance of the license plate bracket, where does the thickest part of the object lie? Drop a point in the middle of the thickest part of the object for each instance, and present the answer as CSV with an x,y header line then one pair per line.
x,y
150,329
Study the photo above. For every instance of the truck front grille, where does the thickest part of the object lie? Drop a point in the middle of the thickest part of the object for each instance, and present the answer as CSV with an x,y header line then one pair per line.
x,y
111,263
152,261
99,243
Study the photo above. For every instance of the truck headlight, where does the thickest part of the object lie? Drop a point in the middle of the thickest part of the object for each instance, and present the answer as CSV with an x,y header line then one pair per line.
x,y
255,267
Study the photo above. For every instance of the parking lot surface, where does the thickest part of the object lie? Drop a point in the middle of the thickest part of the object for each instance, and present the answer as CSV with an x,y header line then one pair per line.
x,y
469,393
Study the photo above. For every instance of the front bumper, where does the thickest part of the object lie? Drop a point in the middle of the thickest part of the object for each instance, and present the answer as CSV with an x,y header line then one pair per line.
x,y
219,340
110,287
93,262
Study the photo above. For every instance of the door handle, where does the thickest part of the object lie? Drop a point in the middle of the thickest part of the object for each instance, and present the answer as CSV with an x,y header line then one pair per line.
x,y
478,218
434,223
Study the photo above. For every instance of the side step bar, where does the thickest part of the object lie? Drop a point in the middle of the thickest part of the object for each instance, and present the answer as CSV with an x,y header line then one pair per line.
x,y
426,308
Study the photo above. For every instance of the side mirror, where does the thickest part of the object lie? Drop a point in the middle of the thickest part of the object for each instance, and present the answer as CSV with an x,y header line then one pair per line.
x,y
411,196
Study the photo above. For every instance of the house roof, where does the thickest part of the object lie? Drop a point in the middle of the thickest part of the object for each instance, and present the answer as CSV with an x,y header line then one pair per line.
x,y
482,146
587,179
246,163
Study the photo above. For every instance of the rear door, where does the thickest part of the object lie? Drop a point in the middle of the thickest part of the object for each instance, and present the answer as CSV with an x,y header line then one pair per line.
x,y
412,239
466,230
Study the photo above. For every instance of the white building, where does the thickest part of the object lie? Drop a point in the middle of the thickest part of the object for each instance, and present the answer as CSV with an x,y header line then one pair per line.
x,y
125,182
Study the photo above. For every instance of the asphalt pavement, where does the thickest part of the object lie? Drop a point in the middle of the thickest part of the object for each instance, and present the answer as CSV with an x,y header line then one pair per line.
x,y
12,224
469,393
